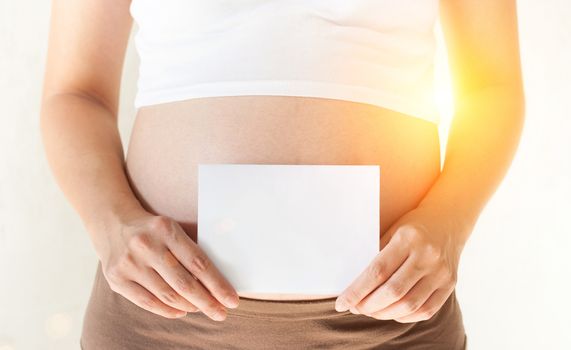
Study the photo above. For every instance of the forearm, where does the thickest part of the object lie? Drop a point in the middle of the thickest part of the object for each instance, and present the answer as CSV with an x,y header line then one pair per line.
x,y
83,148
482,141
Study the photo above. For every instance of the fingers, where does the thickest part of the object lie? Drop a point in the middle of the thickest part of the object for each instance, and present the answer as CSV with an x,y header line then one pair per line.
x,y
199,265
429,308
153,282
393,289
141,297
410,303
160,279
379,270
184,284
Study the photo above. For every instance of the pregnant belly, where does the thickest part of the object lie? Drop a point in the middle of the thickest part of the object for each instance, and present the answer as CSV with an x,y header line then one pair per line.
x,y
169,140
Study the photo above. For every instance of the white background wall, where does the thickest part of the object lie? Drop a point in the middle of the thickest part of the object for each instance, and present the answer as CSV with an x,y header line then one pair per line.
x,y
514,283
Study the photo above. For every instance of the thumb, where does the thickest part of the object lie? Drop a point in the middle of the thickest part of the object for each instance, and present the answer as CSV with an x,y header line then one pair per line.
x,y
386,236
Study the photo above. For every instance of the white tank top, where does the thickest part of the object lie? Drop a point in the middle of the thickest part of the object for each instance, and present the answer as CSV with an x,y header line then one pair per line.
x,y
378,52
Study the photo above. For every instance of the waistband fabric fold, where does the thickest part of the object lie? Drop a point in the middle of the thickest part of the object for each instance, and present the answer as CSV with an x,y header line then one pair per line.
x,y
287,309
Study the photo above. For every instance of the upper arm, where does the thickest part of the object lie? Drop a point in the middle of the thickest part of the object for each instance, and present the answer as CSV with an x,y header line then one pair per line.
x,y
481,38
86,47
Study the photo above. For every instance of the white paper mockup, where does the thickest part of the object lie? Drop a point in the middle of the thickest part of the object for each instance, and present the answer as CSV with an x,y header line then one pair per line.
x,y
299,229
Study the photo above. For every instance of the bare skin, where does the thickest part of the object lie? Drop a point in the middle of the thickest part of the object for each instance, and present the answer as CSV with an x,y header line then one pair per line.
x,y
276,130
141,216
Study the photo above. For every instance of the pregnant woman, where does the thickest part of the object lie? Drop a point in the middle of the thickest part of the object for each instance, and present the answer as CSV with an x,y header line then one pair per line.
x,y
277,82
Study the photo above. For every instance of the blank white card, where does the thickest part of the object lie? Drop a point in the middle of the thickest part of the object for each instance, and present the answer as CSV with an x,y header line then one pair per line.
x,y
299,229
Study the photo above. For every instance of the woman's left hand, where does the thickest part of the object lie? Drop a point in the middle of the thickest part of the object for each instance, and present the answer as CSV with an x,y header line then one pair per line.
x,y
414,273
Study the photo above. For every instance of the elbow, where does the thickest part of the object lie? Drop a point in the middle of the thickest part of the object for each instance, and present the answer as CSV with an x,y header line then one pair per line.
x,y
520,98
517,111
514,102
520,103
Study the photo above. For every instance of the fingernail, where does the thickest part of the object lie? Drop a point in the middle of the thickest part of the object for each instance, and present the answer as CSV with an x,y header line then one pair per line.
x,y
220,315
341,306
231,301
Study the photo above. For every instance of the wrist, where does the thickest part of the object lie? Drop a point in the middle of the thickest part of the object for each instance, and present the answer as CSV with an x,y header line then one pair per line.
x,y
109,218
450,220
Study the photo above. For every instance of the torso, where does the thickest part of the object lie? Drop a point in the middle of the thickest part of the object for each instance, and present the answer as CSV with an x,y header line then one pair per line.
x,y
168,141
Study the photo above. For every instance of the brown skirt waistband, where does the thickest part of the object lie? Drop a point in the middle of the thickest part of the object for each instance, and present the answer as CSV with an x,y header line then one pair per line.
x,y
283,309
111,321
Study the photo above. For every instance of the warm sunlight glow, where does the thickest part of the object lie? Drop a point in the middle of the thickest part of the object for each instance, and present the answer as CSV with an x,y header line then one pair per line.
x,y
442,93
443,97
442,84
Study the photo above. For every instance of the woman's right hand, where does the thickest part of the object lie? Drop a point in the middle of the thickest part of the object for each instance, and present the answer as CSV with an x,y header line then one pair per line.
x,y
152,262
